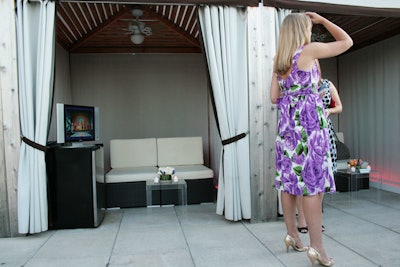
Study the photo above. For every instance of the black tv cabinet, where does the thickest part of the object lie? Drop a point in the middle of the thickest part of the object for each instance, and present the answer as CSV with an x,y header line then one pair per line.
x,y
76,189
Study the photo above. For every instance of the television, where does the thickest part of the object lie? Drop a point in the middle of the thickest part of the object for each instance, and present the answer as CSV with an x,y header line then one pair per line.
x,y
77,124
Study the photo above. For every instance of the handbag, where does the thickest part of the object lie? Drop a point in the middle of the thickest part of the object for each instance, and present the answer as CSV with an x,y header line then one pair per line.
x,y
333,103
342,151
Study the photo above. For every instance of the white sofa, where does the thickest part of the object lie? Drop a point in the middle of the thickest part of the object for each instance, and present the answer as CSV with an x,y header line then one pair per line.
x,y
133,161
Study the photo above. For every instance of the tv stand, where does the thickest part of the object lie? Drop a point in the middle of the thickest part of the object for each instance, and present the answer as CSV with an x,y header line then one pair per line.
x,y
76,144
76,189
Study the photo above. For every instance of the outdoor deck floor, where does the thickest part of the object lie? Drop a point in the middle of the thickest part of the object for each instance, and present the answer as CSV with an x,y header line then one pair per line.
x,y
362,229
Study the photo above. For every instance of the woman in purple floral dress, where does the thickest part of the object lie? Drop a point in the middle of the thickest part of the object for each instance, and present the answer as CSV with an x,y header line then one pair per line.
x,y
303,163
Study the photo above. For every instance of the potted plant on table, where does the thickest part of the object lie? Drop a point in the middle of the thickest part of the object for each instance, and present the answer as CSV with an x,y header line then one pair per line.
x,y
166,174
358,165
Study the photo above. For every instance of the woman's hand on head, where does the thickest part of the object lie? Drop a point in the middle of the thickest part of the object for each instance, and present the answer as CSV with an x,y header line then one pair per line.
x,y
315,18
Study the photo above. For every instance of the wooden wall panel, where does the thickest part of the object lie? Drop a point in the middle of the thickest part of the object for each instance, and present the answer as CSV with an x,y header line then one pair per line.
x,y
263,116
9,118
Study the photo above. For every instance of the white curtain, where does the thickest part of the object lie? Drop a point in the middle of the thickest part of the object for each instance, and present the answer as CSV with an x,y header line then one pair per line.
x,y
35,49
280,15
224,31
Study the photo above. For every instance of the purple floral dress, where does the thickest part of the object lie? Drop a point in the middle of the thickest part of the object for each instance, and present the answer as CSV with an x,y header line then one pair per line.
x,y
303,163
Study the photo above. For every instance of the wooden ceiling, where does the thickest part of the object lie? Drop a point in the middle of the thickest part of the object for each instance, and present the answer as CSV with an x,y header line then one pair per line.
x,y
102,27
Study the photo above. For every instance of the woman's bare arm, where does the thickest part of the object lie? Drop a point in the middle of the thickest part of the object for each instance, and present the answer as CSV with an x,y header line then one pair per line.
x,y
338,103
319,50
274,92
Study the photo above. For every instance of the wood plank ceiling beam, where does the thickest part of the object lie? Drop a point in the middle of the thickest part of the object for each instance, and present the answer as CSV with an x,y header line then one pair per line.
x,y
172,25
334,8
178,2
116,15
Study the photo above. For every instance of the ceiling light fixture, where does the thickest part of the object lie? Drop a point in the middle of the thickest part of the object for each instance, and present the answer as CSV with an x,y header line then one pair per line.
x,y
137,38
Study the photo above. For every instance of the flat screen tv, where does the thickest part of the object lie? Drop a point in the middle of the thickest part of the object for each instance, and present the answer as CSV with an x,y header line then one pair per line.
x,y
76,124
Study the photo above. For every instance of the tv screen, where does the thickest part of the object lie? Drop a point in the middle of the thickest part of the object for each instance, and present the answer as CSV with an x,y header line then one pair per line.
x,y
77,123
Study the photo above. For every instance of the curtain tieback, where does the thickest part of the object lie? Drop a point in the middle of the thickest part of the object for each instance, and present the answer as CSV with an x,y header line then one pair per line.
x,y
33,144
233,139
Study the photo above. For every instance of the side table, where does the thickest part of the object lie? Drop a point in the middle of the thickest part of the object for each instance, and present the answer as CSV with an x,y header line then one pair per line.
x,y
347,180
166,192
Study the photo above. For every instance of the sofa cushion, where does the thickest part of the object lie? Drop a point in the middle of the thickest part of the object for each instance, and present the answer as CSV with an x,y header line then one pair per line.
x,y
133,152
342,164
180,151
340,136
131,174
190,172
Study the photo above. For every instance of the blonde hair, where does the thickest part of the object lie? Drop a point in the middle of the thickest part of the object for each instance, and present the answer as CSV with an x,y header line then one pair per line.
x,y
295,31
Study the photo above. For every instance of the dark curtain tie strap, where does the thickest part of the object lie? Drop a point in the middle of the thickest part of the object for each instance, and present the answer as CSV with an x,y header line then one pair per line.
x,y
33,144
233,139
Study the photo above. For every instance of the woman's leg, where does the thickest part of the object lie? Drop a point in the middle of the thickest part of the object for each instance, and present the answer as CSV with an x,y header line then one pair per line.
x,y
322,209
301,220
313,212
289,215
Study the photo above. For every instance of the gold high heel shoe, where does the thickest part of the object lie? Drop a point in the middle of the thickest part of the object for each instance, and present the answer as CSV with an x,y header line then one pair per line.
x,y
314,256
290,242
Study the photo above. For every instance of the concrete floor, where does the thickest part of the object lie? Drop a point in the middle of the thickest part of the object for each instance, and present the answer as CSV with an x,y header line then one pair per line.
x,y
362,229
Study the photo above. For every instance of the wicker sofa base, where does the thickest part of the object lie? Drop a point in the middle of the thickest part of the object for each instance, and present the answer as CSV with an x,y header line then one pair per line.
x,y
200,191
133,194
126,195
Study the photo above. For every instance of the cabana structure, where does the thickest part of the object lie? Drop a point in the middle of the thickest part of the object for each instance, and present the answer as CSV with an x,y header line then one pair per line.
x,y
205,58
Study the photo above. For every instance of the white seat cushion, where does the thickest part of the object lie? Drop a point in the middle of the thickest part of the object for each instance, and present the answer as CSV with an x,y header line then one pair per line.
x,y
188,172
126,153
131,174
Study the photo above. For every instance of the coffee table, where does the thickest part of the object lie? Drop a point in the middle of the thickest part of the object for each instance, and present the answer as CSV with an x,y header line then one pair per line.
x,y
166,189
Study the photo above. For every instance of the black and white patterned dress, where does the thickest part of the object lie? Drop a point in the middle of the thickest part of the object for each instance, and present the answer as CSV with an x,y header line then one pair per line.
x,y
326,100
